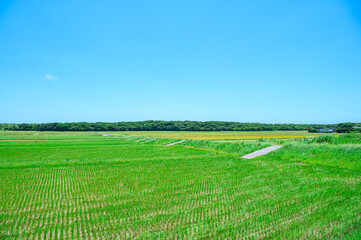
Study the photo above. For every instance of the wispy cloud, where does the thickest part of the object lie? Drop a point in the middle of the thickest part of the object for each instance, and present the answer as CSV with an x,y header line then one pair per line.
x,y
50,77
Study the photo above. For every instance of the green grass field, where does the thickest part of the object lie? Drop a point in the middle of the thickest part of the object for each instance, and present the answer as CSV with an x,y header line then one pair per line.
x,y
83,185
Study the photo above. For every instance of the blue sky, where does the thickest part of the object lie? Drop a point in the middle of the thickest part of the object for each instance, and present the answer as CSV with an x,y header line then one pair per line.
x,y
249,61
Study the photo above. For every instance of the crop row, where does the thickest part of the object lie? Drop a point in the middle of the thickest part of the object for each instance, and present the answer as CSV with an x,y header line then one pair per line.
x,y
184,198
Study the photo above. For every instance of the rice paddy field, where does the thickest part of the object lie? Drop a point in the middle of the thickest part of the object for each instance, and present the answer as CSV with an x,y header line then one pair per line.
x,y
231,135
130,185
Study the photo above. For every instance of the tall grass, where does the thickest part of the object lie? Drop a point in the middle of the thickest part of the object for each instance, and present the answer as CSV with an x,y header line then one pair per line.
x,y
350,138
233,148
343,156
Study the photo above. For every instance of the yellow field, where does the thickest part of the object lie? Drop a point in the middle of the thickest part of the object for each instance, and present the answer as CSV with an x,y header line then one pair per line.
x,y
223,135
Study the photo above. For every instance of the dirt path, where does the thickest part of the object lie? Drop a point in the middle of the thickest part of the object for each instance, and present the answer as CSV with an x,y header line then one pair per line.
x,y
261,152
170,144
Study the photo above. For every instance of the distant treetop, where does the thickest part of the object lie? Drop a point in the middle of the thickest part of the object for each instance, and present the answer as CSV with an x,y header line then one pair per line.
x,y
172,126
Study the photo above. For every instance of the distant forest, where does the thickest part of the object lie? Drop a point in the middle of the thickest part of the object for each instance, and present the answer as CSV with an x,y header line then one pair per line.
x,y
166,126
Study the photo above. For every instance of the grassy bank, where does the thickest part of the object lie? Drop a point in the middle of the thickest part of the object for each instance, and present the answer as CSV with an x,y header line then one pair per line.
x,y
236,149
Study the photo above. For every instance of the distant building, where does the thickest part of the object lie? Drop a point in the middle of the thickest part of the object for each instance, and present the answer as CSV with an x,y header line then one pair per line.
x,y
330,130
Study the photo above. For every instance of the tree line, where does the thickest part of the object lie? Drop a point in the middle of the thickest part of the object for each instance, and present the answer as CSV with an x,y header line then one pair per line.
x,y
164,126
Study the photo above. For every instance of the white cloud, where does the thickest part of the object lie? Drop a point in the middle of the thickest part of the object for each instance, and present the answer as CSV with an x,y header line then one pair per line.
x,y
50,77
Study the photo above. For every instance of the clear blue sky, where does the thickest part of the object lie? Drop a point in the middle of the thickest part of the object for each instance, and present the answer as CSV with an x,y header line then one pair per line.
x,y
249,61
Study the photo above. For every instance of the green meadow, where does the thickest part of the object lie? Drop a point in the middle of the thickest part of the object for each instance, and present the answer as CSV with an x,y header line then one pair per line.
x,y
94,185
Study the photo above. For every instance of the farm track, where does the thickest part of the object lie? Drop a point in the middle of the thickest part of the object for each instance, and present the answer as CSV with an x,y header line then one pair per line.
x,y
262,152
171,144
